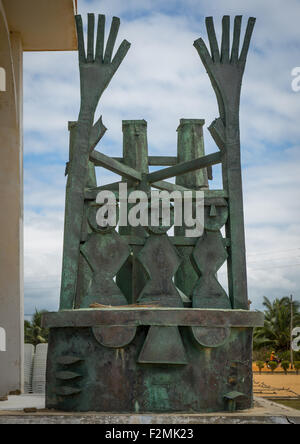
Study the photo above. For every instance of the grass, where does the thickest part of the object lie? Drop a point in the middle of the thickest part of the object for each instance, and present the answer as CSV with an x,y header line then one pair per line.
x,y
293,403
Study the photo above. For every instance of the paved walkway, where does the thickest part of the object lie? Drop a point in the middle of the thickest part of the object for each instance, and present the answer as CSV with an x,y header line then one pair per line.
x,y
19,403
264,412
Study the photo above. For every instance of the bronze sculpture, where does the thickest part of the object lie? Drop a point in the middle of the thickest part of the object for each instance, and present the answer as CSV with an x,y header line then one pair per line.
x,y
153,339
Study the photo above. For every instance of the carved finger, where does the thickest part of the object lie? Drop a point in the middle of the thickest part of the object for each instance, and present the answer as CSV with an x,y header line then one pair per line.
x,y
111,39
248,34
236,39
100,39
91,32
203,53
217,130
212,39
97,133
225,39
120,54
81,49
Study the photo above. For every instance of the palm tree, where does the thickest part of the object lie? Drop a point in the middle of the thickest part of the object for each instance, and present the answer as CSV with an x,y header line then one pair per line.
x,y
34,333
276,329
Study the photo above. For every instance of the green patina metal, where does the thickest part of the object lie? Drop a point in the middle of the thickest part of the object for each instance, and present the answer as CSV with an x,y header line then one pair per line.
x,y
192,351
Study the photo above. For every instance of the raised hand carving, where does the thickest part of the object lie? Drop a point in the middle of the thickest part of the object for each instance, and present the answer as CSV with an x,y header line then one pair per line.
x,y
96,71
97,66
226,71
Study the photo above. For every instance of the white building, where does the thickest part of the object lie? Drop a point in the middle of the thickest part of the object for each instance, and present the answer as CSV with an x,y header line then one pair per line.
x,y
25,25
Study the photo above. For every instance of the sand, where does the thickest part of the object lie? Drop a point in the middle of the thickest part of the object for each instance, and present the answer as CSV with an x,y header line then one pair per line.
x,y
270,385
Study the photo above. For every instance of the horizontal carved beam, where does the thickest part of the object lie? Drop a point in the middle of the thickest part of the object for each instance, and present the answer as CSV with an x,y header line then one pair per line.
x,y
115,166
162,160
91,193
185,167
153,316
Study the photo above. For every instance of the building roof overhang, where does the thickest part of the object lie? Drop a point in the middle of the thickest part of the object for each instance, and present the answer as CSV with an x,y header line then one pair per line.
x,y
44,25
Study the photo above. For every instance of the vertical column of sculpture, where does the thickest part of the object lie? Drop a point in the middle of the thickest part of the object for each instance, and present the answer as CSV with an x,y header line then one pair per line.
x,y
97,68
190,146
135,145
225,69
84,271
131,278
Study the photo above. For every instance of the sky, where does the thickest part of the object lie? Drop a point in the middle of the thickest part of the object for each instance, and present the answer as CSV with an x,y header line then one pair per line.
x,y
163,80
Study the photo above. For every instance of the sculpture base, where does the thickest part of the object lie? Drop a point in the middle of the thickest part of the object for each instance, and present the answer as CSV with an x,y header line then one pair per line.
x,y
151,360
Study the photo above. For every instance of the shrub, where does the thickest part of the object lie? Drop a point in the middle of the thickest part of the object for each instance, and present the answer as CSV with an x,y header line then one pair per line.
x,y
297,366
273,365
260,365
285,365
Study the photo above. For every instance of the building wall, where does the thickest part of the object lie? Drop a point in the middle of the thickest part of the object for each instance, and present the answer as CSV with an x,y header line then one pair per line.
x,y
11,210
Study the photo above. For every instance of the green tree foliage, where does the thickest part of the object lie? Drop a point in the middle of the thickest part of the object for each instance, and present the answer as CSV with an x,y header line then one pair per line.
x,y
276,330
273,365
297,366
34,333
260,365
285,365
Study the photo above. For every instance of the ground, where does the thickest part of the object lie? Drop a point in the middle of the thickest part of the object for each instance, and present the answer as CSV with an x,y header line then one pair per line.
x,y
277,385
29,409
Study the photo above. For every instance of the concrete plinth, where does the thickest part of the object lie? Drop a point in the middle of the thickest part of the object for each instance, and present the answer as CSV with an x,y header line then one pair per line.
x,y
264,412
150,359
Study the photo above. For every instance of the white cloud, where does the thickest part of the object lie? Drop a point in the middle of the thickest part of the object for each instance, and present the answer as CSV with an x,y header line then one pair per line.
x,y
43,259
